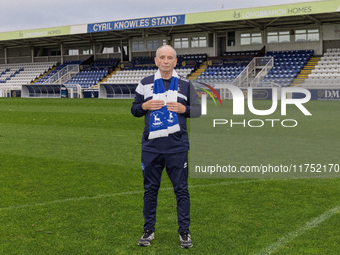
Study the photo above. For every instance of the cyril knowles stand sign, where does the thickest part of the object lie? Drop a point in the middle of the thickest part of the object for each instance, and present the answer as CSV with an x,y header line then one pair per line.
x,y
162,21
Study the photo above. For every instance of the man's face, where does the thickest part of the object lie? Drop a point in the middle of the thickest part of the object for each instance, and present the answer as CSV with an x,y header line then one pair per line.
x,y
166,60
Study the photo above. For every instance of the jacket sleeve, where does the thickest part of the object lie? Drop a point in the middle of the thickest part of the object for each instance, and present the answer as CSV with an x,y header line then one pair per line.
x,y
193,106
136,108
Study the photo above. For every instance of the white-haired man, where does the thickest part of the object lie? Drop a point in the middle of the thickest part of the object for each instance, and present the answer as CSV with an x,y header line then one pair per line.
x,y
165,100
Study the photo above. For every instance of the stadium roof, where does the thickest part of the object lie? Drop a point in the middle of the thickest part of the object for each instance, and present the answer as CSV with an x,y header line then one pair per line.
x,y
288,15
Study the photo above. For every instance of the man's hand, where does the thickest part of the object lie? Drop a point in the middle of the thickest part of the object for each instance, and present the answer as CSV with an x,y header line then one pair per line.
x,y
176,107
152,105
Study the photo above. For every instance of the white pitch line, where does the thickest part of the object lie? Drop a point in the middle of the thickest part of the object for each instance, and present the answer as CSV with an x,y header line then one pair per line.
x,y
75,199
296,233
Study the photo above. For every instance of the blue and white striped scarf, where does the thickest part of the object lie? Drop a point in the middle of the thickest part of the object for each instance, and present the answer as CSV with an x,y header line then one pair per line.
x,y
164,122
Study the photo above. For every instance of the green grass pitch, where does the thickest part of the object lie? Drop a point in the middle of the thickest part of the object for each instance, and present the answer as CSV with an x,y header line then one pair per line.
x,y
71,183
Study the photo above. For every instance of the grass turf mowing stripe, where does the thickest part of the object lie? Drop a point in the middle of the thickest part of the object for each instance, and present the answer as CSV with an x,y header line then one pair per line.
x,y
296,233
121,194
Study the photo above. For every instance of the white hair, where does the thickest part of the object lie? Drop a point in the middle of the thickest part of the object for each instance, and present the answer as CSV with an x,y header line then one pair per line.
x,y
164,46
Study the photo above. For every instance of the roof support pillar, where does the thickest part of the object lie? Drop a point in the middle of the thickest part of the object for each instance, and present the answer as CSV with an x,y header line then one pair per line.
x,y
130,49
32,54
61,53
5,53
94,51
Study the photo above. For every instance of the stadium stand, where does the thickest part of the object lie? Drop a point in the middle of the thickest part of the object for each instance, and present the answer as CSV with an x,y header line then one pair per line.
x,y
134,76
104,63
220,74
230,56
88,78
51,76
22,73
93,73
122,83
327,72
287,65
141,67
226,68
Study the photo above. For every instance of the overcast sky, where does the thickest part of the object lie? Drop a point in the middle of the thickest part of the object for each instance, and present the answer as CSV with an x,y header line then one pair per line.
x,y
30,14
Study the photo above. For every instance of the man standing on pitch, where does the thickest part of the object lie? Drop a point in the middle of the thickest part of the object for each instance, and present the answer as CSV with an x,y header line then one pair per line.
x,y
165,100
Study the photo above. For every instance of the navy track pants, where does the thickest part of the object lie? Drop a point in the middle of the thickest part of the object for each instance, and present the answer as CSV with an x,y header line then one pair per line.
x,y
176,165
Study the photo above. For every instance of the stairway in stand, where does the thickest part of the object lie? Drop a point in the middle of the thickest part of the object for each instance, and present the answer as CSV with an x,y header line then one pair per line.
x,y
198,71
105,79
303,75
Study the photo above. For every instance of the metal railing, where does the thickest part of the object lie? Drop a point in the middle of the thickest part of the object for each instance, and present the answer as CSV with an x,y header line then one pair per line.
x,y
63,75
249,73
242,80
268,65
